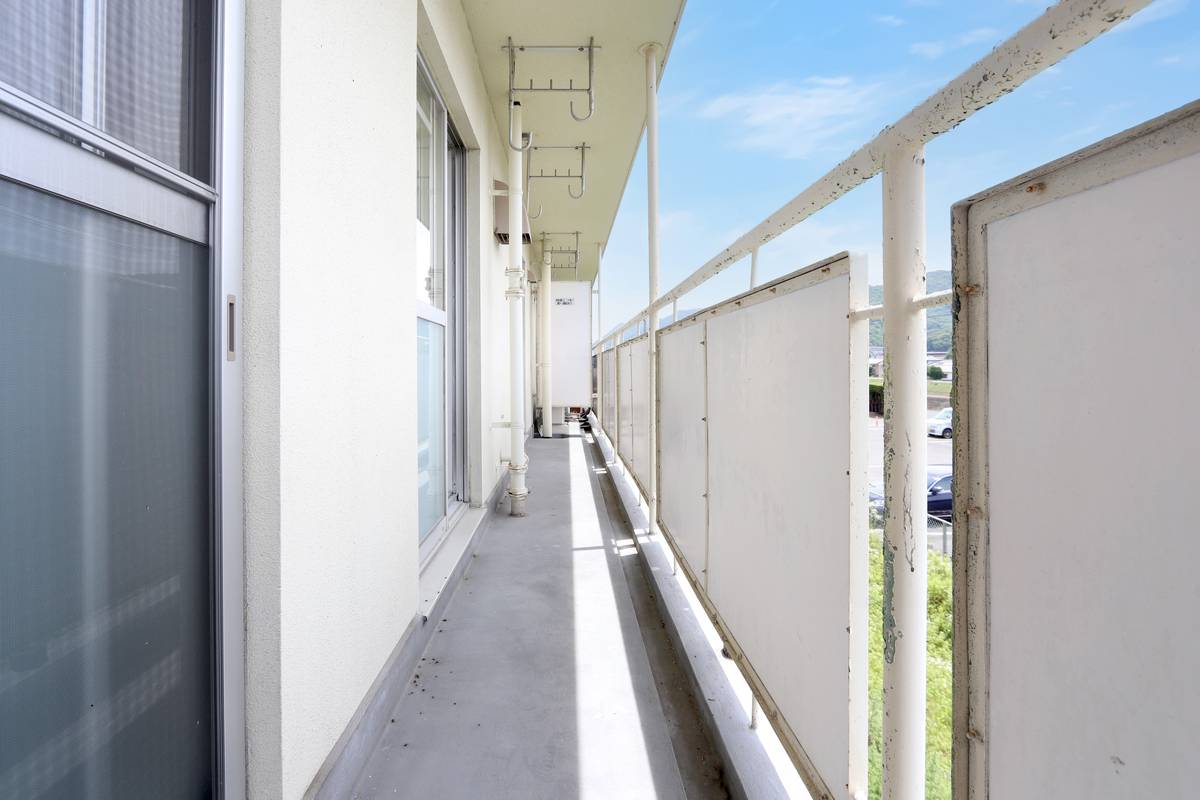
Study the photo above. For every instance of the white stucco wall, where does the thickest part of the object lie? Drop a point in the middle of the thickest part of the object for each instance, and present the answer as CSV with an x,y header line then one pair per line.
x,y
330,355
331,543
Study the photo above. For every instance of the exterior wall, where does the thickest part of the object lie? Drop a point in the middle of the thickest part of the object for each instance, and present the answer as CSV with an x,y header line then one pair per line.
x,y
332,569
331,572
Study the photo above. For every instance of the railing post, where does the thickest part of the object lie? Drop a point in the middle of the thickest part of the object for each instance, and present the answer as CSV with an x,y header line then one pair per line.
x,y
753,268
599,332
651,53
904,467
515,294
546,296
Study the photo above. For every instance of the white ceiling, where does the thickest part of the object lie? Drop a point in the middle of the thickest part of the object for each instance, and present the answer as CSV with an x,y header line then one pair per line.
x,y
620,28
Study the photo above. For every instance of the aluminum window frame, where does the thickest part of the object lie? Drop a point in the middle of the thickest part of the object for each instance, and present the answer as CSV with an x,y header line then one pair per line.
x,y
449,239
47,150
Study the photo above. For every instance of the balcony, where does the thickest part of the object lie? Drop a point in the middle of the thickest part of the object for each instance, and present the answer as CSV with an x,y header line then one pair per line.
x,y
300,499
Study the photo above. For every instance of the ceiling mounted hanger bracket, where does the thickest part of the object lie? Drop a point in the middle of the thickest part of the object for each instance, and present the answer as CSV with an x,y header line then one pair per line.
x,y
553,251
582,148
513,90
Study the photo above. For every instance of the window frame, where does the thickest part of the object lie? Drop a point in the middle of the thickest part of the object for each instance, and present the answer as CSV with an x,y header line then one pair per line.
x,y
48,150
449,250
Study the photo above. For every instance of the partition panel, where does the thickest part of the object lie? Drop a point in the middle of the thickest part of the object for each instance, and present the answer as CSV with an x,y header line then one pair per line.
x,y
683,436
639,456
624,441
777,379
608,393
1076,648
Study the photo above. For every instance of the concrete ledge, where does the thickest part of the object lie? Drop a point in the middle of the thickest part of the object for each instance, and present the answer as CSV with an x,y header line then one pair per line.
x,y
756,765
340,772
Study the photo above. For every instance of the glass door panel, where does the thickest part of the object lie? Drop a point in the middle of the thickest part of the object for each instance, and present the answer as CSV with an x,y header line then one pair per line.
x,y
106,532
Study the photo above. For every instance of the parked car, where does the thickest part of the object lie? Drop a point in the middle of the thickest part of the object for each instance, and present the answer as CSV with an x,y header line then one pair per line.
x,y
940,501
940,423
941,494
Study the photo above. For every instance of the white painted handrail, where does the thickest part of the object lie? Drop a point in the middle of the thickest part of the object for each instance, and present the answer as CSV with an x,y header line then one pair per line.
x,y
1062,29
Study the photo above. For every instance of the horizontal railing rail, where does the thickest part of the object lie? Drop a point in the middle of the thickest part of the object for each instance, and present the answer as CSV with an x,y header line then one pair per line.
x,y
1045,41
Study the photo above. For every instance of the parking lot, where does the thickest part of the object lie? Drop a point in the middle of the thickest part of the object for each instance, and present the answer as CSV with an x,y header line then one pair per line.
x,y
940,452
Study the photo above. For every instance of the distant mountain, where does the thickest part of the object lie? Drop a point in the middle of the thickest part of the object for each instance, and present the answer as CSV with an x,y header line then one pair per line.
x,y
938,321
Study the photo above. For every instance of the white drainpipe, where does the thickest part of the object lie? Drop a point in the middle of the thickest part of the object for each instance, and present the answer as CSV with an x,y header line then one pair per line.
x,y
515,294
545,296
904,549
651,53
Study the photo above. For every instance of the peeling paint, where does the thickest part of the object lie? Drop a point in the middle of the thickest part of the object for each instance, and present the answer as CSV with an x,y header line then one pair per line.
x,y
890,632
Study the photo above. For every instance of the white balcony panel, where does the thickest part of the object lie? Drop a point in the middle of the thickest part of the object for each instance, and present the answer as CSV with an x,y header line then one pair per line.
x,y
683,435
763,406
608,393
570,354
639,370
1081,591
625,403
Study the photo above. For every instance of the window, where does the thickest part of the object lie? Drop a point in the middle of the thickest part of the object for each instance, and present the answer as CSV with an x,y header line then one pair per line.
x,y
941,485
440,311
138,70
108,503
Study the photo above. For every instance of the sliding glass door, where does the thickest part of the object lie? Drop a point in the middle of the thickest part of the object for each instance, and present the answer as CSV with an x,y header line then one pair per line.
x,y
440,313
108,301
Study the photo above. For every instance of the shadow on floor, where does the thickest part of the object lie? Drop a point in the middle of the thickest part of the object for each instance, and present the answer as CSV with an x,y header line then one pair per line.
x,y
537,682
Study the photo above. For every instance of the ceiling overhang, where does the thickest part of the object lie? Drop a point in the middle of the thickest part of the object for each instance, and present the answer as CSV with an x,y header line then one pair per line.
x,y
618,29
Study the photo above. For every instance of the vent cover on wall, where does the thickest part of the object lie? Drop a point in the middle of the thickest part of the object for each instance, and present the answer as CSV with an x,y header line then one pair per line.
x,y
500,210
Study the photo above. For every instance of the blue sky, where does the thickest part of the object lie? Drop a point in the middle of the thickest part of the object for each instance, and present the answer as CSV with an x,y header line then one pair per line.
x,y
761,98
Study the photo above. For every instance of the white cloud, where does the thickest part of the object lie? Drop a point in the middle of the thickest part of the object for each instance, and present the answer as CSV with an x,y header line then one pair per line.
x,y
1158,10
930,50
889,20
794,121
936,49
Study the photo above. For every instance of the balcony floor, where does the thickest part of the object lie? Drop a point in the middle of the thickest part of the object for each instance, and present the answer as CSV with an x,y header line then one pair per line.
x,y
539,682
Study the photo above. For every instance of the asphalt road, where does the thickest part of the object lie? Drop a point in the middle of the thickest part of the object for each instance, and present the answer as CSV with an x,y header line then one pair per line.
x,y
939,453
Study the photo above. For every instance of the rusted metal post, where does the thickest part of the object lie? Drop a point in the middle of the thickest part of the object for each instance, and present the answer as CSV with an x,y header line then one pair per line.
x,y
904,463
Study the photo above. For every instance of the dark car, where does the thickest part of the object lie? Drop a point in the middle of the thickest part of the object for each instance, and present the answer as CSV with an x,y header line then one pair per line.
x,y
941,495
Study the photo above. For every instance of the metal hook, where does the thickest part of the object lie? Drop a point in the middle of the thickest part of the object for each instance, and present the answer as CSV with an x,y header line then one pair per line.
x,y
528,166
582,173
590,90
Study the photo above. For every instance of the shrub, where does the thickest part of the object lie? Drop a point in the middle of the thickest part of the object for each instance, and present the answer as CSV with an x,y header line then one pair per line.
x,y
935,372
939,690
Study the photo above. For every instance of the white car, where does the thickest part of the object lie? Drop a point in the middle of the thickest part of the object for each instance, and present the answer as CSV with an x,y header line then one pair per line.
x,y
939,423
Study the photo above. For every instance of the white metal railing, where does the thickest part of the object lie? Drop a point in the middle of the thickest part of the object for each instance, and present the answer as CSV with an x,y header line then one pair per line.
x,y
898,153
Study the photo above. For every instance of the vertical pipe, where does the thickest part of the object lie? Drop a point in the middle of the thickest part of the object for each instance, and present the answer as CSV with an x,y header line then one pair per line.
x,y
674,311
515,294
546,297
904,547
753,268
651,53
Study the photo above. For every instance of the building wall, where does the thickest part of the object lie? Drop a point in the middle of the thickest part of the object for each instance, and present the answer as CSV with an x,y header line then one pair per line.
x,y
330,355
332,569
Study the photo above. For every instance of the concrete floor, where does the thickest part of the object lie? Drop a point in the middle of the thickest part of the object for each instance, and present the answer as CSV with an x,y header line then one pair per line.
x,y
541,681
